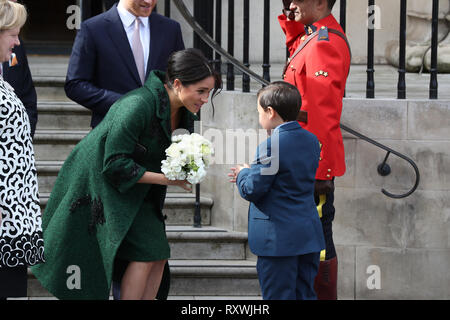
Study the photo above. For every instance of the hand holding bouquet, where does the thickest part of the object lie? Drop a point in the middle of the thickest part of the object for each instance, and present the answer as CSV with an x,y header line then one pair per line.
x,y
188,157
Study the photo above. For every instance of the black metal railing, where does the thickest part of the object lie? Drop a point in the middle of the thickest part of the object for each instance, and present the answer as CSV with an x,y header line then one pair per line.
x,y
434,51
370,81
370,86
383,169
88,9
401,85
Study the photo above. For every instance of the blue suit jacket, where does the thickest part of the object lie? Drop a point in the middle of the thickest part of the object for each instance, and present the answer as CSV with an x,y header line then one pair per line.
x,y
102,67
283,219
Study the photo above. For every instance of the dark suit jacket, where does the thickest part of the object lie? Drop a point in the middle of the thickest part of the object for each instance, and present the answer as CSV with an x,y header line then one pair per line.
x,y
283,218
19,77
102,67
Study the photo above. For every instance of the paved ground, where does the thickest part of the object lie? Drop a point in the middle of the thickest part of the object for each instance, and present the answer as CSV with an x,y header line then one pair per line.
x,y
386,78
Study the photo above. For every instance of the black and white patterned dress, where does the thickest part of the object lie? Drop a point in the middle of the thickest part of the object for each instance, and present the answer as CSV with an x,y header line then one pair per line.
x,y
21,242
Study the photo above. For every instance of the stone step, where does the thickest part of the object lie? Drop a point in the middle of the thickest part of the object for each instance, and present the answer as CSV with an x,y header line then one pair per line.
x,y
205,261
48,66
51,149
56,145
179,208
214,278
48,170
206,243
195,278
63,115
51,93
49,75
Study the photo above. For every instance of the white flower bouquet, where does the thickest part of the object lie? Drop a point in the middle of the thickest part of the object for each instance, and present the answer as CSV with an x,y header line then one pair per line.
x,y
188,157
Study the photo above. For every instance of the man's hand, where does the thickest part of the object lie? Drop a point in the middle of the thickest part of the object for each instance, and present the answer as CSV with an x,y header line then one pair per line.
x,y
287,12
286,3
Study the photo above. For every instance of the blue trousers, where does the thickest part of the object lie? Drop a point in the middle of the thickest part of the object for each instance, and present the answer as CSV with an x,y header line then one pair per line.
x,y
288,278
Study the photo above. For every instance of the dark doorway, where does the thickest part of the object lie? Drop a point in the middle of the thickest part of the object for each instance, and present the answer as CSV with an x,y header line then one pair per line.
x,y
46,31
50,28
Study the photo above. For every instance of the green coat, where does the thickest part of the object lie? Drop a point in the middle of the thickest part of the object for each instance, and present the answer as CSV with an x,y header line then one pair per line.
x,y
96,195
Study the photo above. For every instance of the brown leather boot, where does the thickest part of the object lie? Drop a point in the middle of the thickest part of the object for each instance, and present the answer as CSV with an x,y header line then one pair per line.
x,y
325,283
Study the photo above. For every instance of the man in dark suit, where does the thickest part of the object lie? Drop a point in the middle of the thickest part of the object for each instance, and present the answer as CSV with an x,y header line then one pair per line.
x,y
102,66
18,75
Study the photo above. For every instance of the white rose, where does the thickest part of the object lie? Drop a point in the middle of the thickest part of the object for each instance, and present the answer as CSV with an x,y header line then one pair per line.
x,y
173,151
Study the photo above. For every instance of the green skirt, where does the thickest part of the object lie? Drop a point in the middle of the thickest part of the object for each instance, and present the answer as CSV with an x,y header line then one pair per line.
x,y
146,239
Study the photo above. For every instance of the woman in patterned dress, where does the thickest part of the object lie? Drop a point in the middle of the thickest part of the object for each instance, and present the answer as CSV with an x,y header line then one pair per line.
x,y
21,242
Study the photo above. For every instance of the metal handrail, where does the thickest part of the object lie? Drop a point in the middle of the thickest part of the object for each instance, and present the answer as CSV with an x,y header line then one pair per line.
x,y
212,43
383,169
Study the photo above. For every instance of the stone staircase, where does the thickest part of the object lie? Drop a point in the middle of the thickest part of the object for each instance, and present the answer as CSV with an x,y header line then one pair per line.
x,y
205,262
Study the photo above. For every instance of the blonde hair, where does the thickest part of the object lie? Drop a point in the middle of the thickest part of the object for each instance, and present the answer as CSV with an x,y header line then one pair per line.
x,y
12,15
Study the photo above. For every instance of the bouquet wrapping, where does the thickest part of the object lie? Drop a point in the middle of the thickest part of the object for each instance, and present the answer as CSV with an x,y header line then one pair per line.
x,y
188,158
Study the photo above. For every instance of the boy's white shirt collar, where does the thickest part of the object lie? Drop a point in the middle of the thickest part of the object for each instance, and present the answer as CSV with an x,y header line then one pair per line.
x,y
284,123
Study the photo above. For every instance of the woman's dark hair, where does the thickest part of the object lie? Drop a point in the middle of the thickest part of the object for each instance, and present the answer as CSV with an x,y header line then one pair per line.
x,y
283,97
191,66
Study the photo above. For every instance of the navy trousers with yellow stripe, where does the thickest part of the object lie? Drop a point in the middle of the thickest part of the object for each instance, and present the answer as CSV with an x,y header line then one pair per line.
x,y
325,283
325,206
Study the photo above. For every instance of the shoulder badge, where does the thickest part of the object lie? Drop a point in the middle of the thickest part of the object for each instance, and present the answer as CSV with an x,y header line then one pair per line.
x,y
323,34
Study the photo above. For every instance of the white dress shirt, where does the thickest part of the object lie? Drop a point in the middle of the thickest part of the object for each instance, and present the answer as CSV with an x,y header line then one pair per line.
x,y
128,19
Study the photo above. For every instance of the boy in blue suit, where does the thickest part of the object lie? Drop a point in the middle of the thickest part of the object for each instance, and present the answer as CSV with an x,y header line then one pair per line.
x,y
284,228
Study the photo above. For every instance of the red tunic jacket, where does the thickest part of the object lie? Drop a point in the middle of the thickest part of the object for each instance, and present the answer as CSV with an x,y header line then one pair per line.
x,y
320,71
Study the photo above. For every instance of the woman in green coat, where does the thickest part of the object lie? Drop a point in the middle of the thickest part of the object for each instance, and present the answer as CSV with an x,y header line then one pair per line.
x,y
107,201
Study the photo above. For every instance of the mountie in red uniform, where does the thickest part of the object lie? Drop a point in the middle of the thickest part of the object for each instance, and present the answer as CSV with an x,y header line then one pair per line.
x,y
318,66
320,71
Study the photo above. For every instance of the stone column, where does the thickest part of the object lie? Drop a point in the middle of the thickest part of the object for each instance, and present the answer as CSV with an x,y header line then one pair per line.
x,y
418,35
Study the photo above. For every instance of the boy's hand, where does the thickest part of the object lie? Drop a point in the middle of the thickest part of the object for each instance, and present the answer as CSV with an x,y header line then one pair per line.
x,y
235,172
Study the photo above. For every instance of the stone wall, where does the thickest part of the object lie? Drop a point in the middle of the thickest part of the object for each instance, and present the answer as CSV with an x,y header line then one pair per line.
x,y
387,248
418,35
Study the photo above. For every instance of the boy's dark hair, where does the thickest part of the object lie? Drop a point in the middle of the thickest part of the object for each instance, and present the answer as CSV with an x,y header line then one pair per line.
x,y
283,97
